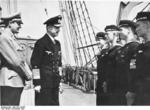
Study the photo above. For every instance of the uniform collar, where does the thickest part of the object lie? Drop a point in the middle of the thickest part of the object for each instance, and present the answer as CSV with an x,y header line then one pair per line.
x,y
53,39
7,30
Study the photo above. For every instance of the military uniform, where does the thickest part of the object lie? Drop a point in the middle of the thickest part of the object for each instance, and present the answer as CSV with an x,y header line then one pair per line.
x,y
11,80
110,74
124,70
107,69
101,98
47,57
141,80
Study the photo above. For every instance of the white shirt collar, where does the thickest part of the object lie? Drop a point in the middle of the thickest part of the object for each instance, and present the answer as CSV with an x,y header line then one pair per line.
x,y
53,39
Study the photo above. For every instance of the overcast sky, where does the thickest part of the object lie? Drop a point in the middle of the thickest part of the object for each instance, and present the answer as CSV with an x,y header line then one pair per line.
x,y
33,14
102,13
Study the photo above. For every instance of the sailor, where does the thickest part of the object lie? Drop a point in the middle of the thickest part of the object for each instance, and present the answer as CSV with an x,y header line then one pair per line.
x,y
113,35
141,80
124,68
46,57
101,96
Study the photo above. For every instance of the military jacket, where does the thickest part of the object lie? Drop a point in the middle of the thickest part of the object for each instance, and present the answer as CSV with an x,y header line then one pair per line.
x,y
142,78
101,62
47,57
111,67
10,73
101,68
125,65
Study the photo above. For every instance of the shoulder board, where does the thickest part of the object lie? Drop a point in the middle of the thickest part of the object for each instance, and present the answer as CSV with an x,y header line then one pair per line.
x,y
133,44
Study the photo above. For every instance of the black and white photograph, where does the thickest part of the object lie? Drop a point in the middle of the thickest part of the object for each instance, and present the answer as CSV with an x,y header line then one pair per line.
x,y
81,53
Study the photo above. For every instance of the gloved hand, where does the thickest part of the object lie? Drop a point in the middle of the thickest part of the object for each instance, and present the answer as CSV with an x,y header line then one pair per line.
x,y
130,97
104,86
37,88
60,88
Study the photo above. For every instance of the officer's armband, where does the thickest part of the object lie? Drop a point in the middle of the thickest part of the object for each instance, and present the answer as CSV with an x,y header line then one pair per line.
x,y
36,73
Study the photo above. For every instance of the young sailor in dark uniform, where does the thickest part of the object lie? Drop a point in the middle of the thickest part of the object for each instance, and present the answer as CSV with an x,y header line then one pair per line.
x,y
113,35
141,80
124,69
101,96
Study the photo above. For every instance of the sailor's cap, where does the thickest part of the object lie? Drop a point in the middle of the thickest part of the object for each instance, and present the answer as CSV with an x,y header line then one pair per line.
x,y
127,23
54,21
13,18
100,35
112,28
142,16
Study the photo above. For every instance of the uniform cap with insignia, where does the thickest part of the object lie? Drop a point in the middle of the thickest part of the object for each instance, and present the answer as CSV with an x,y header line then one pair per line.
x,y
142,16
127,23
54,21
111,28
13,18
100,35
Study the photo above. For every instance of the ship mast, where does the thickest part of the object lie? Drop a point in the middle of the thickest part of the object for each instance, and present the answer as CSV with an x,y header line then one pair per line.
x,y
81,31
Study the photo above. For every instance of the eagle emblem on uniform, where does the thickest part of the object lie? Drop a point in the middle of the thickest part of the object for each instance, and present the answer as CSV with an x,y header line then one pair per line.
x,y
48,52
140,51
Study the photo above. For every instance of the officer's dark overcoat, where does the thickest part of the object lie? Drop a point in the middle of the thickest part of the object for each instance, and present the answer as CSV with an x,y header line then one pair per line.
x,y
47,57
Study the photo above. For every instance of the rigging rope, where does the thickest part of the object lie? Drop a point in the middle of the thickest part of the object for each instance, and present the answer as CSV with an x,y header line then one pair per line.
x,y
78,13
66,33
87,27
72,43
79,34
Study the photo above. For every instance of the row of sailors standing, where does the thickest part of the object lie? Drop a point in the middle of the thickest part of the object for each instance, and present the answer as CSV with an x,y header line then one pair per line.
x,y
123,64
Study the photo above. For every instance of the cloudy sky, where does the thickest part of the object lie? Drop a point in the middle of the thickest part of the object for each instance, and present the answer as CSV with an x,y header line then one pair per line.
x,y
101,13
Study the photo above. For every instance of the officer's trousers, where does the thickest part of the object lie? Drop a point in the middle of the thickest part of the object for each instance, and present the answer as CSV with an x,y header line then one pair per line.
x,y
37,98
49,96
117,98
10,95
101,99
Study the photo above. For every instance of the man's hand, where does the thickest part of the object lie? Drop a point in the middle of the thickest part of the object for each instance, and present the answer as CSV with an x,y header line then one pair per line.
x,y
104,86
60,88
37,88
130,96
60,71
